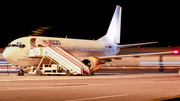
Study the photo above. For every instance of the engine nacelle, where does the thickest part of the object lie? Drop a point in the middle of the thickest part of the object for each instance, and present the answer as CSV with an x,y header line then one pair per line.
x,y
93,63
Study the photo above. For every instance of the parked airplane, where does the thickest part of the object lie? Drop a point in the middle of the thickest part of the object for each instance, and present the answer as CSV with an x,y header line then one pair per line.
x,y
98,51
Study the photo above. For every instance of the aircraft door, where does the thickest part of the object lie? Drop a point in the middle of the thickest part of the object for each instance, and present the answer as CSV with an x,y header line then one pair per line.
x,y
33,43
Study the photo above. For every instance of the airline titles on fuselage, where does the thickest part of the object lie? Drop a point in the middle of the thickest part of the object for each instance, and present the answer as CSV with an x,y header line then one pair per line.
x,y
52,42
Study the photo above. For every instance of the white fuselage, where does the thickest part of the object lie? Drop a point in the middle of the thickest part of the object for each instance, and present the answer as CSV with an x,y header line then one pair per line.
x,y
17,52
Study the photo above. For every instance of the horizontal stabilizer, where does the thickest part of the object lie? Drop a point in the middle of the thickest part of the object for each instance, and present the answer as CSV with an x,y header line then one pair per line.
x,y
136,44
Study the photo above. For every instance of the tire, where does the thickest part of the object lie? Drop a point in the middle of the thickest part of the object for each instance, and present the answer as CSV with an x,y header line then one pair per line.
x,y
38,73
20,73
91,73
68,73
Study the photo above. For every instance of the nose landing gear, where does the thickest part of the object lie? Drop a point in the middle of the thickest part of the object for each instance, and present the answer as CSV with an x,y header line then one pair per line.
x,y
20,73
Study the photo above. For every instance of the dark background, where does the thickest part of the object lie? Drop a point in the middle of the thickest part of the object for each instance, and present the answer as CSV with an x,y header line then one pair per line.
x,y
141,21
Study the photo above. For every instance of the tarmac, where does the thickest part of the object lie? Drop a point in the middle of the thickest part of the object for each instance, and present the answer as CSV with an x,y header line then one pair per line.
x,y
106,85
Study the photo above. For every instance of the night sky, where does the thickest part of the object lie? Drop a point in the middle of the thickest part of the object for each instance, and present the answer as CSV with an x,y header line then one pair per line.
x,y
141,21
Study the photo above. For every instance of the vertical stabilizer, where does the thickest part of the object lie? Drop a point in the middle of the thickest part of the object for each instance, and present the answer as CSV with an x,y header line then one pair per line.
x,y
114,30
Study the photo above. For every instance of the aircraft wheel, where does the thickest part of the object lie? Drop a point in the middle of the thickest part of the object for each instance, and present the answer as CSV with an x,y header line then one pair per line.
x,y
68,73
20,73
38,73
91,73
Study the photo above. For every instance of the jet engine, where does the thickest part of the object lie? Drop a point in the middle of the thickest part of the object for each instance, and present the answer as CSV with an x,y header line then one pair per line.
x,y
93,63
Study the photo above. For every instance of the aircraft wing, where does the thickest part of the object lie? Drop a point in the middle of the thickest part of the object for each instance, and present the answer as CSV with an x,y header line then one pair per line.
x,y
136,44
108,58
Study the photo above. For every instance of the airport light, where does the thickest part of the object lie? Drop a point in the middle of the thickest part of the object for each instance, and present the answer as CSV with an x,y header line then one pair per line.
x,y
175,51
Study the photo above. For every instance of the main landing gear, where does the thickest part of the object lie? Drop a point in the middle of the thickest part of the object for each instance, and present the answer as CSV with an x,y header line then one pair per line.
x,y
20,73
92,73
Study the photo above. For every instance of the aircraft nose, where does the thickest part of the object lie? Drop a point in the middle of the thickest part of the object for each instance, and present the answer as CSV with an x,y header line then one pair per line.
x,y
8,54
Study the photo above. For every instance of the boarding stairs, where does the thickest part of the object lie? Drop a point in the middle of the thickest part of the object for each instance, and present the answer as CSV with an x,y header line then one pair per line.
x,y
62,58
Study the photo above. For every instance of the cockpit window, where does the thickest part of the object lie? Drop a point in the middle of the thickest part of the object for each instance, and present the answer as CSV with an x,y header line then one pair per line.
x,y
16,45
9,45
21,46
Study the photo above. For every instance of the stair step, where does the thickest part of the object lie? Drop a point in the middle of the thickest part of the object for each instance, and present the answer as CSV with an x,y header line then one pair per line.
x,y
66,60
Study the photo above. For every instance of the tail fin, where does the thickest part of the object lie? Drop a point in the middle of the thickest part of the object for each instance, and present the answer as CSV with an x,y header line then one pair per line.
x,y
114,30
